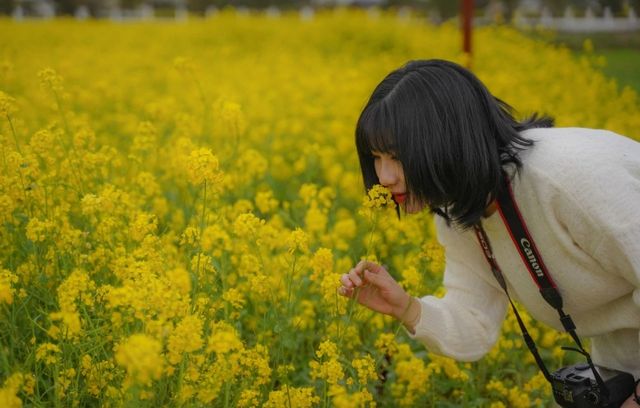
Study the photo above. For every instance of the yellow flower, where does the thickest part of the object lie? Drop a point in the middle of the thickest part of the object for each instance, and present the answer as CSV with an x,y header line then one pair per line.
x,y
518,399
498,387
327,349
64,380
265,202
76,287
298,241
203,167
142,225
316,219
450,367
180,279
97,374
366,369
386,344
342,399
234,297
11,387
246,225
538,383
413,380
223,339
7,104
141,356
183,65
257,362
308,193
321,263
329,368
185,338
253,166
248,398
293,397
70,323
48,353
145,140
377,197
231,114
306,317
38,231
7,280
49,78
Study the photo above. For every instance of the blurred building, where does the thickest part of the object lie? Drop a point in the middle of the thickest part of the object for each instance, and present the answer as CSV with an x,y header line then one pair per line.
x,y
572,15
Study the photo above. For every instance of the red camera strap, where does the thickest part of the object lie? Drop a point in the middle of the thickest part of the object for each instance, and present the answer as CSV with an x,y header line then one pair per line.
x,y
512,218
514,222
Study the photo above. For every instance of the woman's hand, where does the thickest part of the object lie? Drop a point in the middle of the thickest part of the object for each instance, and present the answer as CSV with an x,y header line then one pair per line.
x,y
380,292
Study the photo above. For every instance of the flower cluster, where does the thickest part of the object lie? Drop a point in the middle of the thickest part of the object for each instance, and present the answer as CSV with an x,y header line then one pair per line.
x,y
141,356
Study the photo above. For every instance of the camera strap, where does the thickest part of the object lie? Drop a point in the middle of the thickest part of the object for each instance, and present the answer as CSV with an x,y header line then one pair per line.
x,y
523,241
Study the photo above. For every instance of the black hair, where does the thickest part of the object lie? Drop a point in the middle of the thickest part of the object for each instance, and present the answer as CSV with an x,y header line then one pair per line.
x,y
452,137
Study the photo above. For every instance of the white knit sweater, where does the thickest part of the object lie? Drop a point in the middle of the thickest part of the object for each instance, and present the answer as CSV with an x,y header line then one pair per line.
x,y
579,194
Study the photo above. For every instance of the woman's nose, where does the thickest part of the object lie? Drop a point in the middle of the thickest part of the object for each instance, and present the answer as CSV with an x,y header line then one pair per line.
x,y
388,174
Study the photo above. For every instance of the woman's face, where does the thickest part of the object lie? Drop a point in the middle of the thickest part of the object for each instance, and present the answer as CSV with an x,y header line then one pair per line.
x,y
391,175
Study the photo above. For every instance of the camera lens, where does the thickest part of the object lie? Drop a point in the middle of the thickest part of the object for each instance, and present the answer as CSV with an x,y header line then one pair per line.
x,y
593,397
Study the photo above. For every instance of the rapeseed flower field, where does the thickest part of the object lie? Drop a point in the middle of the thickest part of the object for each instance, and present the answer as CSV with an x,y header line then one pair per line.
x,y
178,201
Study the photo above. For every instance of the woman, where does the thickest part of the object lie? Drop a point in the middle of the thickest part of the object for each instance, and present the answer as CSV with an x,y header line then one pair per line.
x,y
436,138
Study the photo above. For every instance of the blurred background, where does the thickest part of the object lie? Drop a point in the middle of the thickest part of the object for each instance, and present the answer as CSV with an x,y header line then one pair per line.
x,y
611,26
549,11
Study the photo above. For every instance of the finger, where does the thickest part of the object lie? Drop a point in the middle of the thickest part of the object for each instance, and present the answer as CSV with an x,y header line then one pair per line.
x,y
364,264
346,282
346,292
375,278
355,278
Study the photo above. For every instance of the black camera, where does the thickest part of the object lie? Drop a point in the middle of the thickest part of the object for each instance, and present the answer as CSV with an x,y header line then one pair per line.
x,y
576,386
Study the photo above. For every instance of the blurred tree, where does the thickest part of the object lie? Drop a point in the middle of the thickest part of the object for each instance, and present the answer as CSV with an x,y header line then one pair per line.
x,y
6,6
67,7
418,4
510,7
446,8
556,7
199,6
620,7
132,4
614,5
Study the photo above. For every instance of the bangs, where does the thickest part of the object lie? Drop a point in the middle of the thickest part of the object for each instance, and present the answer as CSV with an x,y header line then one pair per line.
x,y
376,131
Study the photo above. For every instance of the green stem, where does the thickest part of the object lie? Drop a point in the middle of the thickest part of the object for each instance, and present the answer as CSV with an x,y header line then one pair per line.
x,y
325,401
373,229
70,136
286,387
15,137
354,299
24,187
200,232
289,286
227,391
397,329
203,99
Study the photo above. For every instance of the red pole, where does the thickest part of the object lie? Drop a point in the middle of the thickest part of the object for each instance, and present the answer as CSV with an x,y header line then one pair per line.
x,y
467,27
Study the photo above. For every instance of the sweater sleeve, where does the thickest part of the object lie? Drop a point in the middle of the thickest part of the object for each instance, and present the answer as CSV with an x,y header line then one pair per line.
x,y
466,322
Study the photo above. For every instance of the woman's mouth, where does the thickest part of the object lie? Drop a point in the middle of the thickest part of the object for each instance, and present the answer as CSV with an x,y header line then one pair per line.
x,y
400,198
